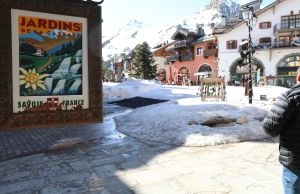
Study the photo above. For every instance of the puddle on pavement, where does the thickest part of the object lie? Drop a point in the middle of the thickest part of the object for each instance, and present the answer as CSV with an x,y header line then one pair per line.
x,y
109,127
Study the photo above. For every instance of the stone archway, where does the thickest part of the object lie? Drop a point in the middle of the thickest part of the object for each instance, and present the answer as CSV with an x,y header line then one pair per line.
x,y
183,76
239,71
287,70
204,70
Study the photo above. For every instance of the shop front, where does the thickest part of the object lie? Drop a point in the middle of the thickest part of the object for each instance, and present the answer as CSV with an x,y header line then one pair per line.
x,y
287,70
239,72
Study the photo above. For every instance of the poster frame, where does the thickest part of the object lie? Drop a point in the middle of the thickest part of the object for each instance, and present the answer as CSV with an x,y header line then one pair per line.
x,y
9,119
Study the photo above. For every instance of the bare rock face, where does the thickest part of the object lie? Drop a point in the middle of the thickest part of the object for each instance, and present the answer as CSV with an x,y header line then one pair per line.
x,y
218,120
228,8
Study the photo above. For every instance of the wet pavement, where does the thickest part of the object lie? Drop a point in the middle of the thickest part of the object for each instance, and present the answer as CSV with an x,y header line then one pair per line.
x,y
97,158
14,144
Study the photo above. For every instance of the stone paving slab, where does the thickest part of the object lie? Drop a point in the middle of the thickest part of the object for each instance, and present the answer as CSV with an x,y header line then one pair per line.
x,y
247,167
117,164
19,143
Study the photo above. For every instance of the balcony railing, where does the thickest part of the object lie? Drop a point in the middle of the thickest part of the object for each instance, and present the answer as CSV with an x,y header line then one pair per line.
x,y
277,44
210,52
172,58
188,57
282,27
263,45
180,43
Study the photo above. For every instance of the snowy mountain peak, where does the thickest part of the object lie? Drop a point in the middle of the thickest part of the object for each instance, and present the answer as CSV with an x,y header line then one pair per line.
x,y
214,4
133,22
136,32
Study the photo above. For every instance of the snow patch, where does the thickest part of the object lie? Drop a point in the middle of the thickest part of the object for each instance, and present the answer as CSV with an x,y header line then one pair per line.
x,y
178,121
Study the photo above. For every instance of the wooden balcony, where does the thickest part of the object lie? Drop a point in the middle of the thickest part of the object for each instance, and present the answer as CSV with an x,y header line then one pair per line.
x,y
277,44
188,57
180,44
210,52
284,28
172,58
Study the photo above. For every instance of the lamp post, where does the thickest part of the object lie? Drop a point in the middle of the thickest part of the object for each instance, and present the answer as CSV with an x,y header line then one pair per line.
x,y
250,19
217,66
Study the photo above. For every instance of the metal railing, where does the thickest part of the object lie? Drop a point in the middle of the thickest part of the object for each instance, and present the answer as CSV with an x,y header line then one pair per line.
x,y
180,43
285,27
276,44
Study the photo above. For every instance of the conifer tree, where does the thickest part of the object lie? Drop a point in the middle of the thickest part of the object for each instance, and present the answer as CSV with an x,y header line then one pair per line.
x,y
142,62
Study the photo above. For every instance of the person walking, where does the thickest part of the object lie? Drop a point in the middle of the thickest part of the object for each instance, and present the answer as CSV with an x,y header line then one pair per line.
x,y
283,120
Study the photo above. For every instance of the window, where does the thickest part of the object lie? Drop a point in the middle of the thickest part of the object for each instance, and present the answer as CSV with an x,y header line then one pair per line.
x,y
199,51
287,70
291,21
231,44
265,25
284,22
265,40
284,41
297,21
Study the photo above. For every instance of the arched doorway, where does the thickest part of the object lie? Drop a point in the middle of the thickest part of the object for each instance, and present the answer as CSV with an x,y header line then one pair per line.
x,y
239,71
204,71
162,75
183,76
205,68
287,70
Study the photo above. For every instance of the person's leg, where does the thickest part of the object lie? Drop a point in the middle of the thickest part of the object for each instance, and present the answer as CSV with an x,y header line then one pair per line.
x,y
290,181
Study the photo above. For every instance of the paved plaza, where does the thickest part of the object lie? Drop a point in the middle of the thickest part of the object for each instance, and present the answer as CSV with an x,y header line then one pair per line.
x,y
97,159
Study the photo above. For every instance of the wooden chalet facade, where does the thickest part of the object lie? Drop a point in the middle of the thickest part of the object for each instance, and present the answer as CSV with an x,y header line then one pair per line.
x,y
192,53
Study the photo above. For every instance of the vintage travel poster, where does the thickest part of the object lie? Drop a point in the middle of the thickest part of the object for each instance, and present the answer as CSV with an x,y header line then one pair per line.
x,y
49,62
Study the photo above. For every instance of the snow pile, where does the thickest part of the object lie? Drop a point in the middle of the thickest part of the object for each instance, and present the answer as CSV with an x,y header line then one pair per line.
x,y
174,123
127,89
180,120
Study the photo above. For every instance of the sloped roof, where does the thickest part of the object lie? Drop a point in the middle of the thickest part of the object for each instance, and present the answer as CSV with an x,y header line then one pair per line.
x,y
163,50
204,39
180,31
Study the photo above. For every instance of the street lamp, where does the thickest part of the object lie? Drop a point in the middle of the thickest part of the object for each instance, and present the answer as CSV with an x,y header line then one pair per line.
x,y
250,19
217,66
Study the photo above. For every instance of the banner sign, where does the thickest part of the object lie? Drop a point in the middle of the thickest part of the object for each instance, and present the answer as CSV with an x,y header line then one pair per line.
x,y
245,69
50,63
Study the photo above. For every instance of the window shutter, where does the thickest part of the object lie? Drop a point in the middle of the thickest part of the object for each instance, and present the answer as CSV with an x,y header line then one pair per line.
x,y
228,44
269,24
260,25
235,44
265,40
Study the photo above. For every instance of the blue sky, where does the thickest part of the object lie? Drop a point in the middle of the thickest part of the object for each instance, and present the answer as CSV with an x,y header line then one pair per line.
x,y
116,13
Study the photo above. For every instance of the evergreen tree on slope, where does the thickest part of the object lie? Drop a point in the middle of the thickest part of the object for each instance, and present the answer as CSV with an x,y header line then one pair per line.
x,y
142,62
